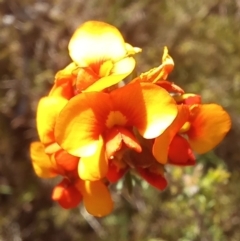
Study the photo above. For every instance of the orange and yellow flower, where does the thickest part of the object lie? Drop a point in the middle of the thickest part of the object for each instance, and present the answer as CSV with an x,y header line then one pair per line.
x,y
204,125
71,190
90,118
101,58
92,131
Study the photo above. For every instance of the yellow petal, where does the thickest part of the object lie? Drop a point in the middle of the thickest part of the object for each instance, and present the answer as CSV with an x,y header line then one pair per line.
x,y
43,166
47,112
94,167
96,41
96,197
81,122
132,50
120,70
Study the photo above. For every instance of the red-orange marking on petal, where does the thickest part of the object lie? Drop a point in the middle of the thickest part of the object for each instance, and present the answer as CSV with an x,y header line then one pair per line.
x,y
85,78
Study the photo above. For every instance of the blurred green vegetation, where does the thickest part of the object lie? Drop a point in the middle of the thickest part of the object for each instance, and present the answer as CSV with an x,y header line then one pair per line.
x,y
203,37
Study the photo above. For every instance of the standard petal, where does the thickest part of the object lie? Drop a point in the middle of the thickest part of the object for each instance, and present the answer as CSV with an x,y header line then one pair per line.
x,y
96,197
47,112
81,122
94,42
148,107
209,125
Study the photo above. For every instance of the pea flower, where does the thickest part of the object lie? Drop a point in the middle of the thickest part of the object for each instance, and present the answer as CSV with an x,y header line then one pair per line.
x,y
89,119
204,125
101,58
71,190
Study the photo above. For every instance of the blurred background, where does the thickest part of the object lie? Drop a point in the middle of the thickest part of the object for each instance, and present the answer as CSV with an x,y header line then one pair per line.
x,y
203,37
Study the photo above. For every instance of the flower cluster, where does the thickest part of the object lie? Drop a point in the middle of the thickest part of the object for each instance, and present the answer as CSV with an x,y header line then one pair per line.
x,y
98,122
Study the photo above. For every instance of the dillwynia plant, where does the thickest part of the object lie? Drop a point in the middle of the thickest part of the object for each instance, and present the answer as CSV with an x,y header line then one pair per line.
x,y
94,127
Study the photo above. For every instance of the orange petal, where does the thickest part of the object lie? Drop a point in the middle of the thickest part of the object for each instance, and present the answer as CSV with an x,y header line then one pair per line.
x,y
47,112
85,78
162,142
96,197
43,166
118,135
170,87
209,125
66,194
147,107
113,142
130,140
64,82
81,122
115,172
66,161
167,63
155,178
96,41
94,167
159,73
121,69
180,152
